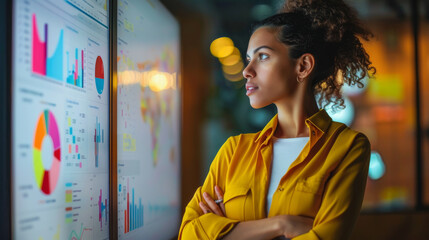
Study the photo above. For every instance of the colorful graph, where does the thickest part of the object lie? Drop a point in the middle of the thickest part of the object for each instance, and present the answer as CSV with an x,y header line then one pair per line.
x,y
102,210
99,75
98,138
133,216
46,127
69,200
42,64
75,236
74,136
128,143
75,73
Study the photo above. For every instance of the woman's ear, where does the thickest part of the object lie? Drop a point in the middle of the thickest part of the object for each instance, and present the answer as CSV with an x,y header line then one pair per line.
x,y
305,65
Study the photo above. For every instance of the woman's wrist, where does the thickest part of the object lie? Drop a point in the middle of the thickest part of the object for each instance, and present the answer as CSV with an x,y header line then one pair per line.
x,y
266,228
292,226
279,224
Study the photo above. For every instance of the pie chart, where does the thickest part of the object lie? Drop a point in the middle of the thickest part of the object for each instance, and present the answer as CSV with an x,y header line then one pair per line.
x,y
99,75
47,127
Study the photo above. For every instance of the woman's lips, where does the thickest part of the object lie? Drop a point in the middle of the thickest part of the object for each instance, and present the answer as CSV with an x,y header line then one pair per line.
x,y
250,89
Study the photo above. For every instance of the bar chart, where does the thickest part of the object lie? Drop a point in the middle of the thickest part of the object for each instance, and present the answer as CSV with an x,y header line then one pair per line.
x,y
98,138
75,135
133,215
102,209
75,73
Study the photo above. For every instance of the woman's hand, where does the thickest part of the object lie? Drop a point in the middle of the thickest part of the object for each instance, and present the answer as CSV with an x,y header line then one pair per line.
x,y
283,225
293,226
212,206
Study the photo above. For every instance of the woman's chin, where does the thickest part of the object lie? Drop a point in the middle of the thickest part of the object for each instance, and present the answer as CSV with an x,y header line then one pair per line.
x,y
257,105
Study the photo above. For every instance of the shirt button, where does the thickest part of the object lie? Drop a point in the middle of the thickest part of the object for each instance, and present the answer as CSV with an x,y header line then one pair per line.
x,y
281,189
313,133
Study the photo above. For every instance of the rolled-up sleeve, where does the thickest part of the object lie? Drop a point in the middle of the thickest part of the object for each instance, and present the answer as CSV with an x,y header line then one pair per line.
x,y
343,195
196,224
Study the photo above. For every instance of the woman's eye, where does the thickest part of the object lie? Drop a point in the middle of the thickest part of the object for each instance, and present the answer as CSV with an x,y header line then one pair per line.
x,y
263,56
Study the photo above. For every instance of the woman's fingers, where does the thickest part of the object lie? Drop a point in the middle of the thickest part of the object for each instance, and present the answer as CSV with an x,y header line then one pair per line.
x,y
212,205
219,195
204,208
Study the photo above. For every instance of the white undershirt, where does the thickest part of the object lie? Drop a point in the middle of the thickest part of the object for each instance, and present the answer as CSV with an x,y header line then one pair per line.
x,y
285,152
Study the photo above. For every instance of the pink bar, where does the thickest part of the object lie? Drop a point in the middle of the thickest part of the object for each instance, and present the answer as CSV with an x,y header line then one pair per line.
x,y
82,70
82,62
76,72
128,204
39,50
77,148
100,219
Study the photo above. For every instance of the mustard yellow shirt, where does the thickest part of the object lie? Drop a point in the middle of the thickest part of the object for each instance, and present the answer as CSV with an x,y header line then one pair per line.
x,y
325,182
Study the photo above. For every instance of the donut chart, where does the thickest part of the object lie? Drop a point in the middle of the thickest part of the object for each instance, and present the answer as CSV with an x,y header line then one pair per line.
x,y
99,75
46,127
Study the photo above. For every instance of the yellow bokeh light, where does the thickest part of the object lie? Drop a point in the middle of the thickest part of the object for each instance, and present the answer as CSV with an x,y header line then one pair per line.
x,y
234,69
158,82
231,59
234,78
129,77
225,51
222,47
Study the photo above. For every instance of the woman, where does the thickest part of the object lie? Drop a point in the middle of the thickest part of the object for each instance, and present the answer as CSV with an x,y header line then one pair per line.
x,y
303,176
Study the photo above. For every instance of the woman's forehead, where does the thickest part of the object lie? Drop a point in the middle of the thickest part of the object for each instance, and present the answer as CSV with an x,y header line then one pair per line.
x,y
264,36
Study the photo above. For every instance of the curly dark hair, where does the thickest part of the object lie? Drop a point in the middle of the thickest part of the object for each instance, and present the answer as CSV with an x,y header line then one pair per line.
x,y
331,32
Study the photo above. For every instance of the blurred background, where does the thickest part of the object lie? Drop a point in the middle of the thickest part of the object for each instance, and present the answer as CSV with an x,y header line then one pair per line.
x,y
392,109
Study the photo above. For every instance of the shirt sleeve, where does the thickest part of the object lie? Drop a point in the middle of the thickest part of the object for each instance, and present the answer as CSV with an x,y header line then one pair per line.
x,y
196,224
343,195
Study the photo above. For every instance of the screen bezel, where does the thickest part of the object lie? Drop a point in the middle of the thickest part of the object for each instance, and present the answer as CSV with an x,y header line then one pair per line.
x,y
6,124
5,117
113,177
6,93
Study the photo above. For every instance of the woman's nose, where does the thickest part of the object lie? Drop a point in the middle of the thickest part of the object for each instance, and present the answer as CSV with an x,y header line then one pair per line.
x,y
248,71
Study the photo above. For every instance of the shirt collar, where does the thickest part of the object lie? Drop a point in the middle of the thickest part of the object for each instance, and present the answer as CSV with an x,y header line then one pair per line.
x,y
318,125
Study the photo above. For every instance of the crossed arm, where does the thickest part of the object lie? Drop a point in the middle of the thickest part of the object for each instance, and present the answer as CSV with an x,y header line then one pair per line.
x,y
343,195
209,221
268,228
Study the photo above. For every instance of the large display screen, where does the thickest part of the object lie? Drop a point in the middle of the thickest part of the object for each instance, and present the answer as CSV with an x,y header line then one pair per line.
x,y
60,119
148,120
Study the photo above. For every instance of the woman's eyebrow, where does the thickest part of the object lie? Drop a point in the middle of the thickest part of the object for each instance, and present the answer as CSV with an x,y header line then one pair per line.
x,y
259,48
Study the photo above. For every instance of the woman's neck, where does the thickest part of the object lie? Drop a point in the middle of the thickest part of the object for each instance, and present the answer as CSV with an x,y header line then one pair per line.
x,y
292,115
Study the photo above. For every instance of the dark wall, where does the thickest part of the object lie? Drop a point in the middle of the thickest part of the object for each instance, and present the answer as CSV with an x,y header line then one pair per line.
x,y
391,226
5,114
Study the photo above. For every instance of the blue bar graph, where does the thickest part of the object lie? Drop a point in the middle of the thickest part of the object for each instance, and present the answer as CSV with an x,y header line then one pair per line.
x,y
136,214
98,138
133,215
75,74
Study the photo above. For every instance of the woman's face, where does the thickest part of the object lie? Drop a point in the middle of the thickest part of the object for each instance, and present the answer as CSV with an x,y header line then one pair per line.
x,y
270,73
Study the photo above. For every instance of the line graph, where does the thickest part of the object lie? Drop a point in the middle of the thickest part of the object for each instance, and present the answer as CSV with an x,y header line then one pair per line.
x,y
74,236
